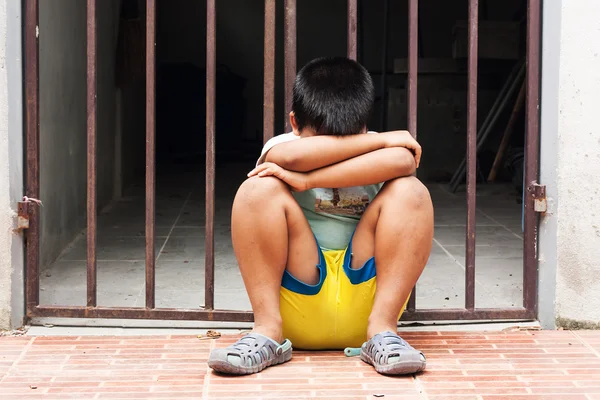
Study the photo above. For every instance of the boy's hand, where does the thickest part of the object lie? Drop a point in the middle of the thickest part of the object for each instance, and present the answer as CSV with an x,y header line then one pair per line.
x,y
402,139
297,181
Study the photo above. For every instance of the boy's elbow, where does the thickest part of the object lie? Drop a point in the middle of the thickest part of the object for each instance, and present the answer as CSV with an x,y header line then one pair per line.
x,y
282,159
404,162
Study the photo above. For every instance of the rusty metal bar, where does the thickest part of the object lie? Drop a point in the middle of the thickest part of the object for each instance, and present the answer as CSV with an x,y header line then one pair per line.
x,y
269,72
471,156
150,151
32,121
91,153
384,62
142,313
352,28
247,316
289,51
211,60
463,314
413,65
532,148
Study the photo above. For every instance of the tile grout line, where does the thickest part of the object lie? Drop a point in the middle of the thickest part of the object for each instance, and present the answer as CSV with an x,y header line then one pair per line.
x,y
206,383
586,344
187,199
497,222
462,266
19,358
420,388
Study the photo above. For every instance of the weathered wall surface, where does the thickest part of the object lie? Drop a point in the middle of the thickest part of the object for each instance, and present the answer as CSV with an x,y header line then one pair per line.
x,y
578,166
11,163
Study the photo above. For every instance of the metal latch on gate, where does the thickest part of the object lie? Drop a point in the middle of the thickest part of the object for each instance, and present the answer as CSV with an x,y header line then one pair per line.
x,y
538,192
23,212
23,216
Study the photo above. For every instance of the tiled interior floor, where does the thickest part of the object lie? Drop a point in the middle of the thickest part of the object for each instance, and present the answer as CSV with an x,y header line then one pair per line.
x,y
180,235
544,365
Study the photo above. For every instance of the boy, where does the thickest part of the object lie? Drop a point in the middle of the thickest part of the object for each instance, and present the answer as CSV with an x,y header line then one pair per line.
x,y
329,210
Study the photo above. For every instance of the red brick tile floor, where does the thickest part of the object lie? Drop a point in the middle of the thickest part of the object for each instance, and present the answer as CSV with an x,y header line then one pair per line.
x,y
478,365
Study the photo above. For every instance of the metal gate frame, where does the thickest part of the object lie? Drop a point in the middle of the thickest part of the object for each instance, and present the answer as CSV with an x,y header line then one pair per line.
x,y
208,313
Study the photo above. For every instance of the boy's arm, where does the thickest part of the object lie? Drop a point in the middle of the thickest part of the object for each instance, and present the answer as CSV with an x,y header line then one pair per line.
x,y
315,152
375,167
368,169
320,151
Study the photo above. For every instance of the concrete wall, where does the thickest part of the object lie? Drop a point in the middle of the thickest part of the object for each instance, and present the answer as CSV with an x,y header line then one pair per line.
x,y
63,117
11,171
577,202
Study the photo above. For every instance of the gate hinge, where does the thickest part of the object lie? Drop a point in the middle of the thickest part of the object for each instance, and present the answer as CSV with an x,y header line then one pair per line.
x,y
538,192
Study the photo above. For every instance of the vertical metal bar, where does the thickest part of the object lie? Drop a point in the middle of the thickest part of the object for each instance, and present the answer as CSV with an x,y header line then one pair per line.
x,y
352,28
532,148
150,151
289,51
384,62
471,156
269,72
211,59
91,153
413,53
32,120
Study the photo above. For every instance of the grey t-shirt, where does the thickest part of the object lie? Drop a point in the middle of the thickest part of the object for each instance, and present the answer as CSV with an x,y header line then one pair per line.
x,y
332,213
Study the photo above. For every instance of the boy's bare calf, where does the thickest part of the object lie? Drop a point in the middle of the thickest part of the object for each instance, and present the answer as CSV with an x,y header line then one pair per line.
x,y
270,234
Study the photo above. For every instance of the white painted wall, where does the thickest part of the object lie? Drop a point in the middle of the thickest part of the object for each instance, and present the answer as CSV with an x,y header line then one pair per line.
x,y
11,172
5,208
578,169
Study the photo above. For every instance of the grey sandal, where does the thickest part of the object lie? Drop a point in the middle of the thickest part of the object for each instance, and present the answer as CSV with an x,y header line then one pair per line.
x,y
249,355
389,354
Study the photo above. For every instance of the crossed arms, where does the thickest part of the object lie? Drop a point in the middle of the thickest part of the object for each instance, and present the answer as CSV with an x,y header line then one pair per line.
x,y
334,162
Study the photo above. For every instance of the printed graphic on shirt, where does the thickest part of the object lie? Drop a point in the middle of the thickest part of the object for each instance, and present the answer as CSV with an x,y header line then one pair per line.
x,y
344,201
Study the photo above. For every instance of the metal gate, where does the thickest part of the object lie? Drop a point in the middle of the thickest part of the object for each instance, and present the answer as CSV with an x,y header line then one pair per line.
x,y
31,211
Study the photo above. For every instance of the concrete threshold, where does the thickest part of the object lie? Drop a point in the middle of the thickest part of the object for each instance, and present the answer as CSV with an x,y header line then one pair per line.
x,y
54,327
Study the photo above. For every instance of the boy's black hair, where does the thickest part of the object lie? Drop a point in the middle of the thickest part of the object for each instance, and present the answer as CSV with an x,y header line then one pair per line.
x,y
333,96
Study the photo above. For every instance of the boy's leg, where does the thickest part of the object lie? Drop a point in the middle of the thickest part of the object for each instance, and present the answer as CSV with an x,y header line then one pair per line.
x,y
269,234
396,228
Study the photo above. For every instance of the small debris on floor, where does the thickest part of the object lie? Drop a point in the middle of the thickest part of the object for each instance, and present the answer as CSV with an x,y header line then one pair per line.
x,y
447,298
210,335
379,395
32,387
16,332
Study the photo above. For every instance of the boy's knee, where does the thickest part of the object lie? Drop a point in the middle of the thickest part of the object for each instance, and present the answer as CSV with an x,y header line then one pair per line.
x,y
409,191
260,189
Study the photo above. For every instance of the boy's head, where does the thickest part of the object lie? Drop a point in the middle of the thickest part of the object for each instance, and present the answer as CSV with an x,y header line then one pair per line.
x,y
332,96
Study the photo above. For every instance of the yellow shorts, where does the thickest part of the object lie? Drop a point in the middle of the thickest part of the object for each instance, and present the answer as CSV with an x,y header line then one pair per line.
x,y
332,314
